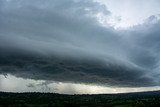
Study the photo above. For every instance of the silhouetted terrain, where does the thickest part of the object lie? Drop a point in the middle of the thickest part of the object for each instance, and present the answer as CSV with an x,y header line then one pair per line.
x,y
141,99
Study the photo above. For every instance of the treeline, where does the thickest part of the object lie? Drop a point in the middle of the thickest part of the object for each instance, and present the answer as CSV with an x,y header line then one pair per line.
x,y
144,99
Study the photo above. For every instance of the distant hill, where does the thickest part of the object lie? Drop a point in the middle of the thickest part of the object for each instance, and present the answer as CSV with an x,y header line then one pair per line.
x,y
32,99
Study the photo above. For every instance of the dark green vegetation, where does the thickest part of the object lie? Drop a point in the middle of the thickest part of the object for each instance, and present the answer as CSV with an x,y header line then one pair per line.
x,y
143,99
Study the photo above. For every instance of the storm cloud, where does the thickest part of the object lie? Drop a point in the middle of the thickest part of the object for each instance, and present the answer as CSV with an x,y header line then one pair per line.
x,y
64,41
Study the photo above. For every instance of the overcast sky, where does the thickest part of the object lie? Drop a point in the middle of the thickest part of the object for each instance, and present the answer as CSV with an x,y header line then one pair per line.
x,y
104,43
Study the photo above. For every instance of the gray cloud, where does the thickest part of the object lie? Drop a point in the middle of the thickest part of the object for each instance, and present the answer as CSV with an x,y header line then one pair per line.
x,y
81,70
63,41
30,85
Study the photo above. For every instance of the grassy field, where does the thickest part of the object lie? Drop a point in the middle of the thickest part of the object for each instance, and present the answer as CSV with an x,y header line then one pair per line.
x,y
143,99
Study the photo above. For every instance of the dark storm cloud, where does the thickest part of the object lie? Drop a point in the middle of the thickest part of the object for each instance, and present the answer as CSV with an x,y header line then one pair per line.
x,y
63,69
63,41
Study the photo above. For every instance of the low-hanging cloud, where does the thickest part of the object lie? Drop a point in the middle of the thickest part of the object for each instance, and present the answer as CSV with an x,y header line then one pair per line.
x,y
63,41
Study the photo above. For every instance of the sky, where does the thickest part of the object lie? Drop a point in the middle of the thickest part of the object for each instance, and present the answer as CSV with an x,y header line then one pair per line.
x,y
79,47
127,13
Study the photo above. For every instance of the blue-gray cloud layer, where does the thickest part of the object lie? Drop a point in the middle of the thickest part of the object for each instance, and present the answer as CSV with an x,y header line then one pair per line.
x,y
63,41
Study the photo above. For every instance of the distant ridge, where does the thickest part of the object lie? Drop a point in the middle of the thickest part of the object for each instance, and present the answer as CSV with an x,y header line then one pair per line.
x,y
143,92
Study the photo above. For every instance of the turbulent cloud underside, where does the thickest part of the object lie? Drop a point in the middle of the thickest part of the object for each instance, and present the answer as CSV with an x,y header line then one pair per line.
x,y
64,41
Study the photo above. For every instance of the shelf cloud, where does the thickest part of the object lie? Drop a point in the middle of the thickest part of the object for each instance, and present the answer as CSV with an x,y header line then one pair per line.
x,y
64,41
